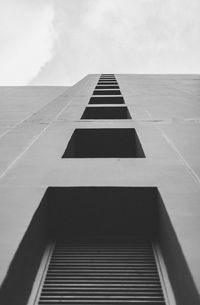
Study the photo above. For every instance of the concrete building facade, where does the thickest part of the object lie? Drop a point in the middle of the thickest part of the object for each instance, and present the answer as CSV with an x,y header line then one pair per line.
x,y
99,192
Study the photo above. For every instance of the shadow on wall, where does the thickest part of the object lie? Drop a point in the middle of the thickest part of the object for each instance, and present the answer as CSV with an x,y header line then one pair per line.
x,y
71,212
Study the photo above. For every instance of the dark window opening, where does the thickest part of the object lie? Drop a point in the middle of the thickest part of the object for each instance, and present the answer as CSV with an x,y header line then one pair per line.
x,y
107,78
107,92
107,83
102,251
110,245
106,100
104,143
107,87
106,113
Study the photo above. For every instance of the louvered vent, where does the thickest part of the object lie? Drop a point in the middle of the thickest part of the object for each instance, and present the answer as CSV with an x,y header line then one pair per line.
x,y
103,272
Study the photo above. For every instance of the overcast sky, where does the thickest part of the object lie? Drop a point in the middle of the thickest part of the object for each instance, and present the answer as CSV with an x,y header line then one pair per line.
x,y
57,42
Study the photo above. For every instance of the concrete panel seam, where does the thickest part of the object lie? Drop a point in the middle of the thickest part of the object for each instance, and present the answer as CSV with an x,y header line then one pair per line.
x,y
26,118
32,142
173,146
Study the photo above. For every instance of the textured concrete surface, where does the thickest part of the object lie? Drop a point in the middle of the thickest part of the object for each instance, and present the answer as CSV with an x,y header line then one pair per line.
x,y
165,112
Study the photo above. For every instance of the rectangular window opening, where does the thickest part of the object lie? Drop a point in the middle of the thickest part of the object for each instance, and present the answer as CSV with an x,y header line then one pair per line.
x,y
103,113
107,83
107,80
102,249
107,87
106,100
104,143
107,92
107,77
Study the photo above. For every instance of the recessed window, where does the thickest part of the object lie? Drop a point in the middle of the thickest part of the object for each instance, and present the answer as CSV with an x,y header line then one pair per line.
x,y
107,92
99,243
106,78
102,248
107,87
103,113
107,100
109,83
104,143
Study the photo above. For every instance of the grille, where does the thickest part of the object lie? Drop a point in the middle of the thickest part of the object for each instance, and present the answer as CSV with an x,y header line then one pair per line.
x,y
103,272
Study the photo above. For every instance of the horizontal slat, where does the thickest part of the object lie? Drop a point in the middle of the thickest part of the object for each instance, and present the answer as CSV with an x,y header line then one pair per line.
x,y
103,272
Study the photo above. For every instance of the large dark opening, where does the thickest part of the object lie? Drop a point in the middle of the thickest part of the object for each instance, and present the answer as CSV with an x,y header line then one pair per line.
x,y
103,113
102,211
106,100
104,143
109,222
107,92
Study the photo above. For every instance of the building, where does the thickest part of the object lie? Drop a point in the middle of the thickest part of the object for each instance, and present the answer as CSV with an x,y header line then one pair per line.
x,y
99,192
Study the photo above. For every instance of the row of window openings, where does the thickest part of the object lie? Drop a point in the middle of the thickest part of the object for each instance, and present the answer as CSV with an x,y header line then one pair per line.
x,y
101,143
107,92
107,85
106,112
107,142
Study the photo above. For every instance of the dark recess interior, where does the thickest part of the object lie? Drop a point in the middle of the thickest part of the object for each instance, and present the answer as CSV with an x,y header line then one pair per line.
x,y
107,92
107,87
104,143
106,113
108,80
104,82
106,100
105,79
104,211
73,213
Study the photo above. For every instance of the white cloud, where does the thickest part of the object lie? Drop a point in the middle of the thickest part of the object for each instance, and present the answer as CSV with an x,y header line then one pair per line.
x,y
26,39
94,36
124,36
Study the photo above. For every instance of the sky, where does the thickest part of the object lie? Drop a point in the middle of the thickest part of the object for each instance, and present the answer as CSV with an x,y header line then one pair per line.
x,y
58,42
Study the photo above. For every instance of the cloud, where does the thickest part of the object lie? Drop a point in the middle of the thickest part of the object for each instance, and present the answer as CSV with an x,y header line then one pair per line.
x,y
57,42
27,38
123,36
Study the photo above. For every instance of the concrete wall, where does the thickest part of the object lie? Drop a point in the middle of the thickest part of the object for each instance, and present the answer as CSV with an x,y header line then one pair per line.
x,y
165,112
